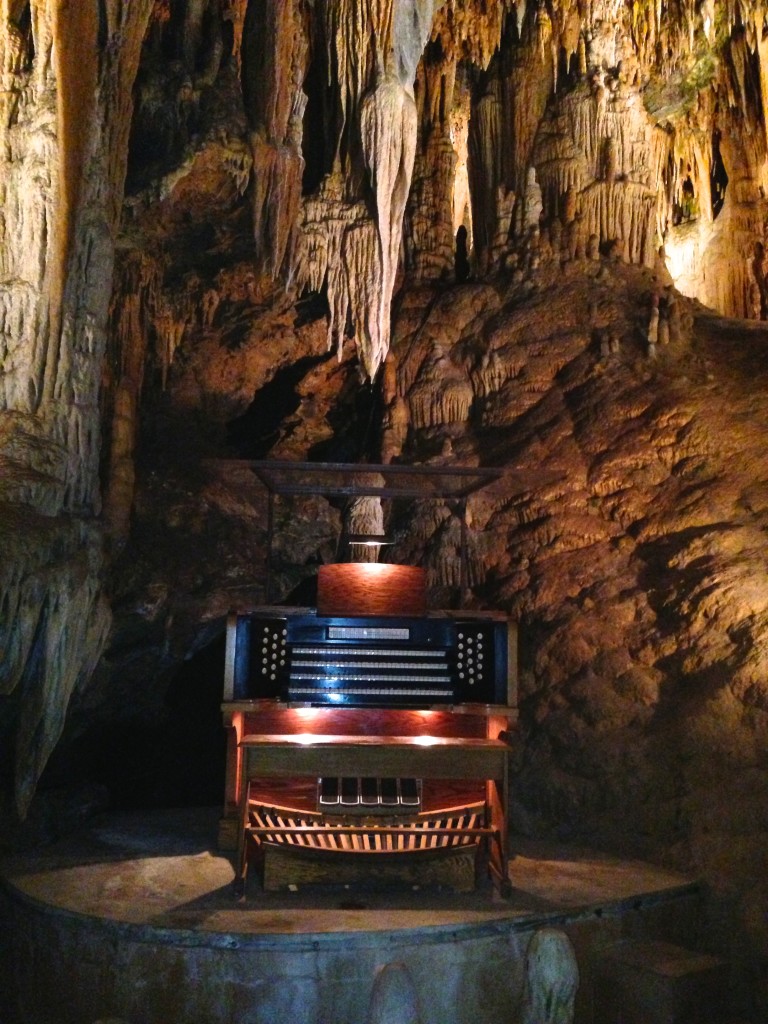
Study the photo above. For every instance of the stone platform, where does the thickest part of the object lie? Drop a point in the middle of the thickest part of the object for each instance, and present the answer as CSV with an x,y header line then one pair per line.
x,y
134,919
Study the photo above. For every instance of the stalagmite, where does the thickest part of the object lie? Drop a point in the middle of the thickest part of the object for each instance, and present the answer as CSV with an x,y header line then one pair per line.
x,y
364,516
551,979
394,999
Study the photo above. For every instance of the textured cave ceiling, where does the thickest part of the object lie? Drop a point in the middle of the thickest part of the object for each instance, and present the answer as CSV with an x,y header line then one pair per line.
x,y
529,236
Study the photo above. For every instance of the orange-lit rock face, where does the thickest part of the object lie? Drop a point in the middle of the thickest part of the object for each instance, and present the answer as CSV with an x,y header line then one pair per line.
x,y
296,173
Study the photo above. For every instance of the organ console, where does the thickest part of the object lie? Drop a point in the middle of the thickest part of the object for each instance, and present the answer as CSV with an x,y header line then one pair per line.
x,y
366,737
368,741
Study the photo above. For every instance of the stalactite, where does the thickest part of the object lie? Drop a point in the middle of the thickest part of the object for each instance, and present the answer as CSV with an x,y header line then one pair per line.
x,y
485,167
739,57
459,134
75,29
373,49
275,105
394,421
526,87
61,345
70,622
388,135
692,160
761,47
339,248
430,223
277,174
490,374
602,151
192,31
472,32
25,217
439,200
358,36
135,308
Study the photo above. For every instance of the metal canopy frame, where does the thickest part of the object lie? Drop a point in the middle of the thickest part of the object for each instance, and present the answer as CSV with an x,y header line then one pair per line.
x,y
352,479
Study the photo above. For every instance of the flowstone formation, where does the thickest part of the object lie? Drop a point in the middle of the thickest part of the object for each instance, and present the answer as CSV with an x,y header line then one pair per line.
x,y
397,230
65,106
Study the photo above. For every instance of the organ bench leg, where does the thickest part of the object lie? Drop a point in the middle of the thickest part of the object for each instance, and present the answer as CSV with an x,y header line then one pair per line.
x,y
241,864
498,853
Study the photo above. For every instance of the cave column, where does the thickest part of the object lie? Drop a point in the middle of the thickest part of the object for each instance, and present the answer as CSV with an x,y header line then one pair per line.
x,y
69,70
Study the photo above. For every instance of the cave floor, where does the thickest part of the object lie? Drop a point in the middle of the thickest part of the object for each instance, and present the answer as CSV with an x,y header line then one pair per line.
x,y
160,872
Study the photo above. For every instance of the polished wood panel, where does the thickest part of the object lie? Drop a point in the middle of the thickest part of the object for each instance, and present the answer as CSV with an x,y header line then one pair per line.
x,y
270,717
371,588
422,757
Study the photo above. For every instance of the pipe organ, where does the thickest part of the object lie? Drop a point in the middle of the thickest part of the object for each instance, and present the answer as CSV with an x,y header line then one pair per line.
x,y
368,745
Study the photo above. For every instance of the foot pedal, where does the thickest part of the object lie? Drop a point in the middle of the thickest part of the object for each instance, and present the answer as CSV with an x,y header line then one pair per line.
x,y
329,791
369,792
409,793
389,795
350,794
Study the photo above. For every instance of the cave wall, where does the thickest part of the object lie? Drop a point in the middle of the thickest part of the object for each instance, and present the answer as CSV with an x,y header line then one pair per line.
x,y
229,229
66,107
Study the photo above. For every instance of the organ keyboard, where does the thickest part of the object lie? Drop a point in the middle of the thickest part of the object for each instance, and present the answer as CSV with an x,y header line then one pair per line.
x,y
376,662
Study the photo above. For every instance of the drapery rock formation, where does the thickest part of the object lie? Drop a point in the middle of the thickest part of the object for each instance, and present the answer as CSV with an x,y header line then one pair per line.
x,y
66,110
399,230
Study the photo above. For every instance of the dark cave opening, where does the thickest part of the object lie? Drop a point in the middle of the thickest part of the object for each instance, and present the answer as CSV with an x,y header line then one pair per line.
x,y
356,421
687,208
169,755
316,150
253,434
253,62
22,20
718,177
